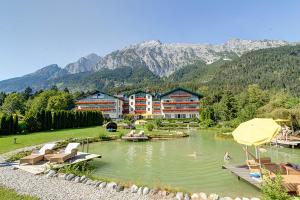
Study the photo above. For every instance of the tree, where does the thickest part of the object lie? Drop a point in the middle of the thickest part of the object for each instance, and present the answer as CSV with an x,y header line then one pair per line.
x,y
27,93
56,103
66,90
227,108
2,98
13,103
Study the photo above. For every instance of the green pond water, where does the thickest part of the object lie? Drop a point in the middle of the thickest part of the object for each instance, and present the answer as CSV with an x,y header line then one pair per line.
x,y
167,163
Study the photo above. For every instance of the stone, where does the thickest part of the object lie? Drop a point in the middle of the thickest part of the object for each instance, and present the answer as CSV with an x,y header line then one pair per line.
x,y
187,197
65,176
179,196
77,179
202,196
245,198
98,183
119,188
134,189
82,179
14,168
70,177
61,176
140,191
164,193
226,198
111,185
254,198
238,198
154,191
213,196
171,195
51,173
89,182
146,190
103,185
195,196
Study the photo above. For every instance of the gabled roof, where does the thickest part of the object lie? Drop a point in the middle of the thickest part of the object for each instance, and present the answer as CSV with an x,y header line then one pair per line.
x,y
181,89
97,92
139,91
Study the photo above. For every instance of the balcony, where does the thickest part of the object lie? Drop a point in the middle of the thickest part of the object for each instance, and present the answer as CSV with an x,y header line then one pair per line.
x,y
94,102
180,95
100,109
140,111
181,110
156,104
140,105
182,103
140,98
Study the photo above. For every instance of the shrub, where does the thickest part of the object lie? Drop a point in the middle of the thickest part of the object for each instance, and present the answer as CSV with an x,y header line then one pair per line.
x,y
150,127
103,136
274,190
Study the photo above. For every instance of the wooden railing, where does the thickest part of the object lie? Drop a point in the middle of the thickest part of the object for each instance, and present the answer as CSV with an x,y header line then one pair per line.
x,y
94,102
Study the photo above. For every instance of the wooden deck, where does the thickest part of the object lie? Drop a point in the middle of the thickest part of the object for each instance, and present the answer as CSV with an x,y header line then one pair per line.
x,y
242,172
287,143
44,165
135,139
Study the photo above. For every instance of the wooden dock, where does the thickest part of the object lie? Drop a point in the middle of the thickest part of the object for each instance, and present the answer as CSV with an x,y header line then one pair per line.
x,y
135,139
287,143
44,165
242,172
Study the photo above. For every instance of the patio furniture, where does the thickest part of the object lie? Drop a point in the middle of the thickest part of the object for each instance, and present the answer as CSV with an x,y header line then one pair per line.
x,y
38,155
69,152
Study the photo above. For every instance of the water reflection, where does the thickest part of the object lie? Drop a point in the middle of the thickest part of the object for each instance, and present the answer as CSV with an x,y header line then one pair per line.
x,y
148,156
131,153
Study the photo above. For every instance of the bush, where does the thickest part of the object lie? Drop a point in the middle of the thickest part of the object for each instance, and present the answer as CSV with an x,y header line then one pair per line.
x,y
274,190
150,127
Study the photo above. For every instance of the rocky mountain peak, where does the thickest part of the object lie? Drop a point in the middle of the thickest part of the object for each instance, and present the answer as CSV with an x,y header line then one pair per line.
x,y
83,64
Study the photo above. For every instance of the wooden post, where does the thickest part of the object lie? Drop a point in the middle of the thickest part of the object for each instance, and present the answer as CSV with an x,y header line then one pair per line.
x,y
87,146
15,140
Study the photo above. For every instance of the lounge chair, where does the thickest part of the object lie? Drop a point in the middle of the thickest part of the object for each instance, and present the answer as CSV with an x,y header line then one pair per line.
x,y
38,155
69,152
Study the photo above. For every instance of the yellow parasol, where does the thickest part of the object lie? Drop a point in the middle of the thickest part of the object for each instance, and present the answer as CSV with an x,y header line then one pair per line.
x,y
256,132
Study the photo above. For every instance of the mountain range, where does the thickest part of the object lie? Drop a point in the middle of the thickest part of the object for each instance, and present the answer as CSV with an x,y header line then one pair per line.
x,y
149,61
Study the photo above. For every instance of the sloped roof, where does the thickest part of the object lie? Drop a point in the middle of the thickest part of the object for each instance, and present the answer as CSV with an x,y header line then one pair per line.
x,y
181,89
97,92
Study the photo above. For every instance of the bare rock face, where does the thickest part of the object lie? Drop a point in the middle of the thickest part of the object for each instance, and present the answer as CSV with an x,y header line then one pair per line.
x,y
164,59
84,64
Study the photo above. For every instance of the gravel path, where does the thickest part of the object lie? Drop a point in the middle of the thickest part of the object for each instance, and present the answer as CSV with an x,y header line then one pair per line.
x,y
56,188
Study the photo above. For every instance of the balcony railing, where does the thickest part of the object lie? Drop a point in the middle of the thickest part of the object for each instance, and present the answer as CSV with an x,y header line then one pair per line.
x,y
181,110
182,102
95,102
180,95
140,111
101,109
140,98
140,105
156,104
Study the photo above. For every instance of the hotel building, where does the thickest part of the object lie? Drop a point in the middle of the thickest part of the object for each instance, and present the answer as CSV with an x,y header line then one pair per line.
x,y
180,103
110,105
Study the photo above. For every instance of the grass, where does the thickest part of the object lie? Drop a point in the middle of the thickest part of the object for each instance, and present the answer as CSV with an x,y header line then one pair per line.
x,y
7,144
6,194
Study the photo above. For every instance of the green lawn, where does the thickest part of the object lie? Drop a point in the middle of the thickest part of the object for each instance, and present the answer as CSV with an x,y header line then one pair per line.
x,y
6,194
7,142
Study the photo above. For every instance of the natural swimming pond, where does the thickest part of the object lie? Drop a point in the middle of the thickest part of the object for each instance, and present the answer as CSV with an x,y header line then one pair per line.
x,y
169,163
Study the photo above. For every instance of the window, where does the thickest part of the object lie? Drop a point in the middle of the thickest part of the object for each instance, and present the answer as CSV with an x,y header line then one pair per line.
x,y
131,97
148,102
148,109
131,103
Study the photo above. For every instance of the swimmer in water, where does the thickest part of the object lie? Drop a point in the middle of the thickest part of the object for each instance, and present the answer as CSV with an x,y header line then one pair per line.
x,y
193,154
227,157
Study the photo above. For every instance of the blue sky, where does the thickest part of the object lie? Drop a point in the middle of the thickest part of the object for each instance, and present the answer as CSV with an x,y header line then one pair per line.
x,y
36,33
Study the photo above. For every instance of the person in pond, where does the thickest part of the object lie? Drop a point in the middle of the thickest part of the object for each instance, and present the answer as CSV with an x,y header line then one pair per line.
x,y
227,157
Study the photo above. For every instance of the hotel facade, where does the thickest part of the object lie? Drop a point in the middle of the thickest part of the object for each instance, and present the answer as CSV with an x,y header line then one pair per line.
x,y
109,105
177,103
